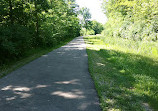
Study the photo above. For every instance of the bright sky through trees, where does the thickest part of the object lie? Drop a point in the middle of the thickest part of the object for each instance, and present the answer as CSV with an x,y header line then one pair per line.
x,y
95,9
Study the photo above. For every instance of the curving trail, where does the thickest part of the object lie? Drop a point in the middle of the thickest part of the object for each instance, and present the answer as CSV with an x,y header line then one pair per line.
x,y
58,81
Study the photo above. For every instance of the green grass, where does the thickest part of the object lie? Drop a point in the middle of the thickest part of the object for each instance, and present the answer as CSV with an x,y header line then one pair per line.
x,y
30,55
125,77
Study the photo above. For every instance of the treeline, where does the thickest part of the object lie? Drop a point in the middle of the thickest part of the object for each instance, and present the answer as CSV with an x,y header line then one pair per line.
x,y
93,27
28,24
132,19
89,27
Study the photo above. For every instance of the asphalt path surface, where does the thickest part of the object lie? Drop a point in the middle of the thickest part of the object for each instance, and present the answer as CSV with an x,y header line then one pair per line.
x,y
57,81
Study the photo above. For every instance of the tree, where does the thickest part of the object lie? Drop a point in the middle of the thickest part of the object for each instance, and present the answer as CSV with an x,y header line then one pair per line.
x,y
132,19
86,16
97,27
28,24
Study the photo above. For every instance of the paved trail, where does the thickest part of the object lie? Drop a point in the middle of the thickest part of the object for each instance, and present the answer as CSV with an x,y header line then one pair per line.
x,y
58,81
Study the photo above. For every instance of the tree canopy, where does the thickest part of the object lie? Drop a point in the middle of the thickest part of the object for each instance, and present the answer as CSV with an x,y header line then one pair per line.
x,y
27,24
86,16
89,27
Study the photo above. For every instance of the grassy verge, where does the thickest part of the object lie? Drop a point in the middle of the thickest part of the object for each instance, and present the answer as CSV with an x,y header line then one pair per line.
x,y
125,79
30,56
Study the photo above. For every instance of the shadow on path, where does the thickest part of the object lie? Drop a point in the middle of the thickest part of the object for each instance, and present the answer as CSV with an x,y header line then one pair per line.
x,y
58,81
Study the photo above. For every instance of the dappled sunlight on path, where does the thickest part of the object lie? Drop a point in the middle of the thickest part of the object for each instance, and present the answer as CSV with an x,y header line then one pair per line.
x,y
57,81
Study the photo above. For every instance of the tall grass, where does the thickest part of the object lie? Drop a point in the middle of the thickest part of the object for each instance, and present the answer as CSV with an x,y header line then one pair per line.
x,y
144,48
125,73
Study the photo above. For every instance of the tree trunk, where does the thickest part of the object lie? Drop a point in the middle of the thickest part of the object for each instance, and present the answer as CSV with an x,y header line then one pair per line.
x,y
37,22
11,12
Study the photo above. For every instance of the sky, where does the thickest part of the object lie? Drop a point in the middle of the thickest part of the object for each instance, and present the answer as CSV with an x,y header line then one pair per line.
x,y
95,9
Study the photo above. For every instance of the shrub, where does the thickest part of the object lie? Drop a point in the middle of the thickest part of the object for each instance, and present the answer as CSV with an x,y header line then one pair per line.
x,y
14,41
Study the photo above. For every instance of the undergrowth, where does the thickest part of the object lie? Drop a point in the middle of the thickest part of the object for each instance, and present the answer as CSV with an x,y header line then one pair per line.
x,y
29,56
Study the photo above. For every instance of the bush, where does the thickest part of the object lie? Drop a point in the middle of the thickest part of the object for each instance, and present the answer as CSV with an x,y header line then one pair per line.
x,y
14,41
90,32
84,32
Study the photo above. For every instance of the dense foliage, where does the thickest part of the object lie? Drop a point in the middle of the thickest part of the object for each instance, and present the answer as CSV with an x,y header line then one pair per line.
x,y
28,24
93,28
96,26
132,19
